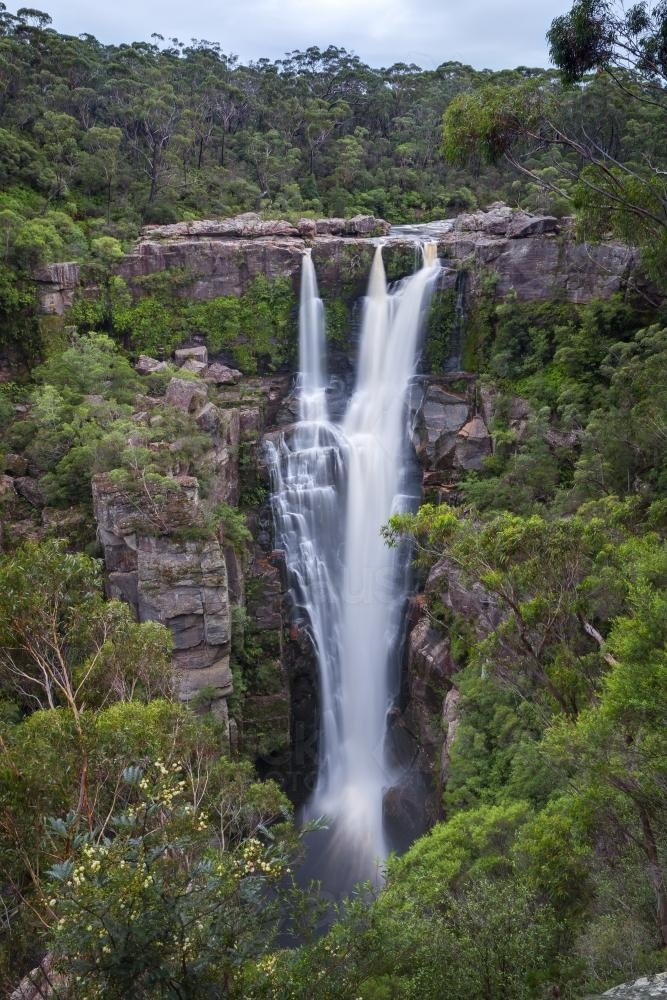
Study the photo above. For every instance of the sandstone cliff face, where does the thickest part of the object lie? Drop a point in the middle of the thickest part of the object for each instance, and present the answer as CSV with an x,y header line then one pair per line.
x,y
163,561
537,256
448,433
181,584
56,285
531,256
426,728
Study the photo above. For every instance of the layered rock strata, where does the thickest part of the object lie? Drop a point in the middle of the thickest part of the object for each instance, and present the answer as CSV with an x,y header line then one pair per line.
x,y
531,256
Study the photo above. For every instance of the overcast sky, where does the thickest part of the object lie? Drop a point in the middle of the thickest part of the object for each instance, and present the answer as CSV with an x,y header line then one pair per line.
x,y
491,34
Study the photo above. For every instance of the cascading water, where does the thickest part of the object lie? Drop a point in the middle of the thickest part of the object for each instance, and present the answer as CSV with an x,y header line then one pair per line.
x,y
335,486
308,499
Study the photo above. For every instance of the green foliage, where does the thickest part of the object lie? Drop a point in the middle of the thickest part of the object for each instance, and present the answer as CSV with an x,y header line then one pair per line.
x,y
487,122
232,525
63,644
257,329
148,906
440,323
92,365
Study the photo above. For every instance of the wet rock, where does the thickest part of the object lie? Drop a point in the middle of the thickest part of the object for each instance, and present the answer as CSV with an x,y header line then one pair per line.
x,y
429,668
405,809
288,413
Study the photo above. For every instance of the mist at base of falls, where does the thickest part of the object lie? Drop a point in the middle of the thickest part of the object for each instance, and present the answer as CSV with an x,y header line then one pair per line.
x,y
335,485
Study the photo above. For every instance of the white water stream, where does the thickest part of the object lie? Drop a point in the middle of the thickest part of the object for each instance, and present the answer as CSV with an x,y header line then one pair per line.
x,y
335,486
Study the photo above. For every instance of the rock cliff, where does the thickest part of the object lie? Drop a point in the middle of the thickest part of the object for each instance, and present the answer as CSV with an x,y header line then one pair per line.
x,y
531,255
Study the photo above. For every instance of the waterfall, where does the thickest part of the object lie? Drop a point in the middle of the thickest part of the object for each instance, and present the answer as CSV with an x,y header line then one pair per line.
x,y
312,398
335,486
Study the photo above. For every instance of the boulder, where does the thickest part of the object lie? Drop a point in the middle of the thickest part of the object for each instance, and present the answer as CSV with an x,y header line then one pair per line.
x,y
196,367
30,490
494,222
7,488
307,228
523,226
41,983
146,366
221,374
473,444
186,395
208,418
647,988
359,225
440,416
199,353
366,225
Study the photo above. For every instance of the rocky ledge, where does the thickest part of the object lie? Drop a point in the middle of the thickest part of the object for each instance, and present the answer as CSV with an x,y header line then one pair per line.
x,y
531,256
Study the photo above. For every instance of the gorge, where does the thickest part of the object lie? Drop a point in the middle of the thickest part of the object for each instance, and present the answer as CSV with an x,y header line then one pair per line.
x,y
238,510
450,418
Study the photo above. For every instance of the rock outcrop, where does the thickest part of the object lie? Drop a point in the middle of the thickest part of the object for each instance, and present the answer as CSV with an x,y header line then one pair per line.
x,y
448,433
164,560
181,584
56,286
646,988
427,726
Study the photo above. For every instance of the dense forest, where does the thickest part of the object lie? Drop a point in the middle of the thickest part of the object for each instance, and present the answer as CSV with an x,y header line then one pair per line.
x,y
135,854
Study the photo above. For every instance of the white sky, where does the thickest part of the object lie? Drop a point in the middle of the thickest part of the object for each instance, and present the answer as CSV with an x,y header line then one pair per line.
x,y
484,33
